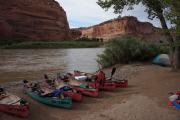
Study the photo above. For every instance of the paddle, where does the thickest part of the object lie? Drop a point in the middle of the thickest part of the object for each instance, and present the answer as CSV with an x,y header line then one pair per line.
x,y
112,72
46,77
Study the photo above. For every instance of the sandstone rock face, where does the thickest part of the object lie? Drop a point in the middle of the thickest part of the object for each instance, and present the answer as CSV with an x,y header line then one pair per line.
x,y
75,34
122,26
33,19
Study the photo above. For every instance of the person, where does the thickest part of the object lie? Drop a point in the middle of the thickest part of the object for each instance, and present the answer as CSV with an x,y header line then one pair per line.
x,y
100,77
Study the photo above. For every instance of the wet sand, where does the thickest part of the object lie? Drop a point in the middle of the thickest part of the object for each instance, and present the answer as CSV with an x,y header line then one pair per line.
x,y
145,99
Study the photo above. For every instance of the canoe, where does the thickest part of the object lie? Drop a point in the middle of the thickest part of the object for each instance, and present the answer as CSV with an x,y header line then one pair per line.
x,y
75,96
72,93
111,85
86,77
83,88
13,105
178,92
57,102
86,90
108,85
119,83
91,92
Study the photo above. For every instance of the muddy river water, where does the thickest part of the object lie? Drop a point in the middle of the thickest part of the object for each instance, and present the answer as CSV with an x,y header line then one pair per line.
x,y
31,64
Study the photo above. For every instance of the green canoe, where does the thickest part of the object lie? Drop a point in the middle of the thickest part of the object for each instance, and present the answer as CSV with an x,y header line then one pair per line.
x,y
65,103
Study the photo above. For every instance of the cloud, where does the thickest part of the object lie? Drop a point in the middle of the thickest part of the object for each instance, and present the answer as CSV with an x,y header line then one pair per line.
x,y
83,13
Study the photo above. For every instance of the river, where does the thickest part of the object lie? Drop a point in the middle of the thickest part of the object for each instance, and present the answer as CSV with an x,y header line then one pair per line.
x,y
31,64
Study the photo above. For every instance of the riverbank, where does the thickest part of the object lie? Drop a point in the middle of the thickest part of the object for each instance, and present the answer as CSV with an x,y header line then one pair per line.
x,y
51,44
145,99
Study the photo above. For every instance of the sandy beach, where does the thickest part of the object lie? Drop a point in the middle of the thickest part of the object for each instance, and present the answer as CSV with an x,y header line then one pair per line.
x,y
145,99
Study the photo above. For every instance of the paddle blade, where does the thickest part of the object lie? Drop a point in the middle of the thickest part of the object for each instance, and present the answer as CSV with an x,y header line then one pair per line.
x,y
113,71
46,76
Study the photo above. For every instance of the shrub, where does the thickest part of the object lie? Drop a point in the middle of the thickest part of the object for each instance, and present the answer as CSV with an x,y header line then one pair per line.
x,y
128,49
53,44
89,39
9,41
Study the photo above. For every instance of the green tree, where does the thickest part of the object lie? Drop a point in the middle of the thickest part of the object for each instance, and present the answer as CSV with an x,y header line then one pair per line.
x,y
154,9
173,14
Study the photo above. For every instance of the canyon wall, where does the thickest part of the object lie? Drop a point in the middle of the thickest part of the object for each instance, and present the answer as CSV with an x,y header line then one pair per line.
x,y
123,26
33,19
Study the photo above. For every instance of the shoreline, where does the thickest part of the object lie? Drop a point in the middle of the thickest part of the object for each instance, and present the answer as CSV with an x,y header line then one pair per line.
x,y
51,44
146,97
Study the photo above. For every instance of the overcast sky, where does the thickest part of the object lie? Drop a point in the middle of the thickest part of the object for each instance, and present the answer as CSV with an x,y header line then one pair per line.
x,y
84,13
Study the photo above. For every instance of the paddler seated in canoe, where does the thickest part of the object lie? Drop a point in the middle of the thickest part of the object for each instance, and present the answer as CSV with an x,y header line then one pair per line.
x,y
2,94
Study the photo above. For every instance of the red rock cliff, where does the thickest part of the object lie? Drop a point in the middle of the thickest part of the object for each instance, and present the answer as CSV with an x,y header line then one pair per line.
x,y
33,19
121,26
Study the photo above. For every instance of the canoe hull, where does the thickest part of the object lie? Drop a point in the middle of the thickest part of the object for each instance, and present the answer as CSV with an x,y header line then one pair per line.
x,y
75,96
87,92
17,110
121,83
64,103
108,86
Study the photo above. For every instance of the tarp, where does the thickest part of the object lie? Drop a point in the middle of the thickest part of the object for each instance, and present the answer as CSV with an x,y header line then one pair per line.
x,y
162,59
57,92
176,105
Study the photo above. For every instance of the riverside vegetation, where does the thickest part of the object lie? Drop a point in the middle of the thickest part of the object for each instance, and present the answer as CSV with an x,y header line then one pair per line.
x,y
23,44
129,49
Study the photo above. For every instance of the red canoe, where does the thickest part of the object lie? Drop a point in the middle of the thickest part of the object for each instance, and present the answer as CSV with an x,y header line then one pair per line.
x,y
178,92
75,96
110,85
88,92
17,110
107,86
14,105
121,83
106,83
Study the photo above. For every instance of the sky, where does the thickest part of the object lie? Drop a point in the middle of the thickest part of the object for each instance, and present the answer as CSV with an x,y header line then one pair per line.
x,y
85,13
